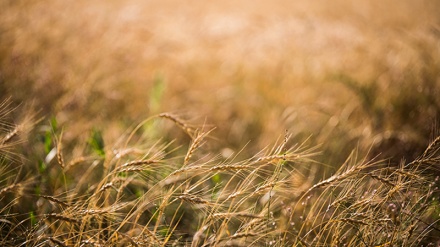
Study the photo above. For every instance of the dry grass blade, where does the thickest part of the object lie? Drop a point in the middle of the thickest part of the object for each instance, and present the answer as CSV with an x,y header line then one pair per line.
x,y
185,169
57,241
8,137
131,169
54,199
410,174
428,156
63,218
275,158
76,161
354,170
9,188
130,239
60,157
243,235
193,199
196,143
433,147
229,168
265,187
353,221
237,214
382,179
107,186
139,163
234,195
179,122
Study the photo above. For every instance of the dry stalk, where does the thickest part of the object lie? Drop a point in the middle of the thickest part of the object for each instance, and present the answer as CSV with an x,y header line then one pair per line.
x,y
411,229
174,176
139,163
336,178
8,137
429,161
56,241
151,235
243,235
262,188
254,222
234,195
196,143
4,221
381,179
240,235
338,201
119,153
230,215
432,148
63,218
90,242
352,221
193,199
107,186
366,201
409,174
426,157
395,189
185,169
229,168
178,122
132,169
130,239
9,188
54,199
273,158
76,161
94,212
60,157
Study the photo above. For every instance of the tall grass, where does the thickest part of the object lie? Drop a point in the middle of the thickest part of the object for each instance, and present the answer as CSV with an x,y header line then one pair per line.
x,y
145,192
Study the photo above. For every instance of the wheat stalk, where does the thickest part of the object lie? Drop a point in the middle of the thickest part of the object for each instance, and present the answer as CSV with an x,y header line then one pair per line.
x,y
63,218
179,122
8,137
54,199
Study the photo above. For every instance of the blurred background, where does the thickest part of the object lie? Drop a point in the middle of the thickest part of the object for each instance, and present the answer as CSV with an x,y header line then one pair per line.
x,y
362,75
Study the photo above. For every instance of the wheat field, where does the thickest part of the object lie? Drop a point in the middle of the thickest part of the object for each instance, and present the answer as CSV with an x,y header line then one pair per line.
x,y
221,123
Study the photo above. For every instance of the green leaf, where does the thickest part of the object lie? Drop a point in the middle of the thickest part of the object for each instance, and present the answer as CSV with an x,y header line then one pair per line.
x,y
37,190
41,166
157,93
97,142
47,142
54,124
139,193
32,218
216,178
